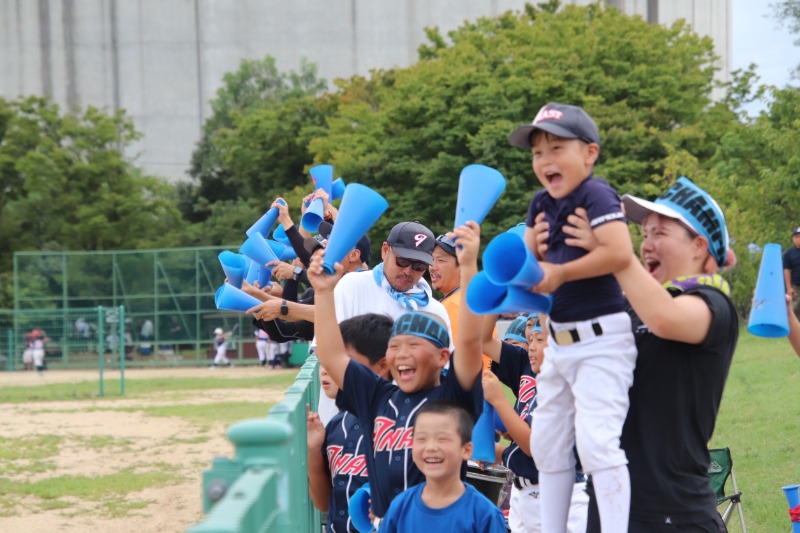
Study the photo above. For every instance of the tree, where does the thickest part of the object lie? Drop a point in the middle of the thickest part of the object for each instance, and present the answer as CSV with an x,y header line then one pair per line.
x,y
66,184
251,146
408,132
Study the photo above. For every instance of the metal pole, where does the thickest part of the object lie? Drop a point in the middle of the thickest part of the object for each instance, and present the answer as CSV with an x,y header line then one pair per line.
x,y
100,348
11,355
122,349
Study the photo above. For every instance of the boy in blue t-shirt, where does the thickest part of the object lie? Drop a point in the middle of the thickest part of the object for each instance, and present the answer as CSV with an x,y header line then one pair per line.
x,y
443,502
418,351
337,465
588,368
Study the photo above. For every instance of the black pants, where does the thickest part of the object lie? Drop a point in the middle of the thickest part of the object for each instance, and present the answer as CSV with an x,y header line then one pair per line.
x,y
715,525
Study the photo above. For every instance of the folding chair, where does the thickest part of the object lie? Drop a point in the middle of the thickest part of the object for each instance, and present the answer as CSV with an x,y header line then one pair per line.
x,y
719,470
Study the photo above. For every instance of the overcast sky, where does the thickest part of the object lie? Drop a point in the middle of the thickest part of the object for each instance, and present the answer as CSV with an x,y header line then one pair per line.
x,y
758,38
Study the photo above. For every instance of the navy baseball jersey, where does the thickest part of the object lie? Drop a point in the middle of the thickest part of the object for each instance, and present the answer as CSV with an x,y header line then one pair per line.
x,y
346,451
582,299
388,414
516,373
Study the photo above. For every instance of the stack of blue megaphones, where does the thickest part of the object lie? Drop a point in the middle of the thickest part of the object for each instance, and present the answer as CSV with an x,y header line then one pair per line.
x,y
509,271
258,250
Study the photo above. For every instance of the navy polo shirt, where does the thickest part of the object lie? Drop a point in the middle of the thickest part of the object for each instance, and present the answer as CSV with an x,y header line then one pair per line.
x,y
791,261
586,298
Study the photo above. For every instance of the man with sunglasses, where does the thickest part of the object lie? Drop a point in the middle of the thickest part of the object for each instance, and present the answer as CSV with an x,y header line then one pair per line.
x,y
396,285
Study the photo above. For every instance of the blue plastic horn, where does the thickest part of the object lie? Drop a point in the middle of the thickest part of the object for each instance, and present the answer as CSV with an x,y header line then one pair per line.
x,y
483,435
479,187
277,248
769,316
358,506
337,189
252,272
507,260
288,254
257,249
322,175
230,298
234,266
793,497
361,207
264,224
280,235
487,298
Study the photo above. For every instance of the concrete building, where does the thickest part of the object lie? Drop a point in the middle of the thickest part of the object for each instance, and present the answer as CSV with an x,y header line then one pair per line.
x,y
163,60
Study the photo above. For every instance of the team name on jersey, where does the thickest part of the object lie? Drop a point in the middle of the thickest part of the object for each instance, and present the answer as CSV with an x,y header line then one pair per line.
x,y
527,389
387,437
345,463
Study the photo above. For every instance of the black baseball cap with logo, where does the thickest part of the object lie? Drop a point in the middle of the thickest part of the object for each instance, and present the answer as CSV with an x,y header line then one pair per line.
x,y
562,120
796,231
412,240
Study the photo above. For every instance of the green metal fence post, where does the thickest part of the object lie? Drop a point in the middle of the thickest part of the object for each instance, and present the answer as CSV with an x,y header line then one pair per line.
x,y
100,348
122,348
11,355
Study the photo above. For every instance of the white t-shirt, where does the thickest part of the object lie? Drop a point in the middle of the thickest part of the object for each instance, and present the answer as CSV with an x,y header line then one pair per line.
x,y
358,294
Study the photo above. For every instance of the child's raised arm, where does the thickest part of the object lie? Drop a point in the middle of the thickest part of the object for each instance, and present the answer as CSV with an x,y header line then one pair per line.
x,y
330,346
319,483
491,344
468,359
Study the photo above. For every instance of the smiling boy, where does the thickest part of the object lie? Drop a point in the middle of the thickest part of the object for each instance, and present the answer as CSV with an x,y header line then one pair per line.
x,y
588,368
443,502
418,350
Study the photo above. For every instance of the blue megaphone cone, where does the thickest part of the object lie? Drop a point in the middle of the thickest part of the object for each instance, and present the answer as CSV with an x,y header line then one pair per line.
x,y
252,272
498,423
793,497
487,298
507,260
769,316
230,298
264,275
276,247
280,235
234,266
322,176
257,249
337,189
361,207
313,216
264,224
519,229
288,254
479,187
483,435
358,507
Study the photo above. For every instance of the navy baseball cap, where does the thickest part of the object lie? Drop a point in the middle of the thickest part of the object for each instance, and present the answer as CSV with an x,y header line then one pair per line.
x,y
412,240
447,244
796,231
562,120
691,206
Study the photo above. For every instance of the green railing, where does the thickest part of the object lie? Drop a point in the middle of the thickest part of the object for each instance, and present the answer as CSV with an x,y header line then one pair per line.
x,y
264,488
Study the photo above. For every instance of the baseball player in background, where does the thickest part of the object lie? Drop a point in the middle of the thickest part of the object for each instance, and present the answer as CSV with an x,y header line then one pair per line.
x,y
221,343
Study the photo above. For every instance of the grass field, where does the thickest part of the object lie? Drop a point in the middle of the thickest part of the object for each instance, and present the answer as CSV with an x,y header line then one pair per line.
x,y
759,420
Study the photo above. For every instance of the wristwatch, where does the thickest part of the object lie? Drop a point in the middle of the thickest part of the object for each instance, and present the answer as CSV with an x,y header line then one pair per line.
x,y
296,272
284,307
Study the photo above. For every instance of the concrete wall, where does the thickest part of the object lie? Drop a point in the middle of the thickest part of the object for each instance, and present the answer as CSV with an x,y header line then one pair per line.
x,y
163,60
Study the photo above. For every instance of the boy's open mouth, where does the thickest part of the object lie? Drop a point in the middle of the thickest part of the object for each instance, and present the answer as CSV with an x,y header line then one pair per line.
x,y
433,461
552,177
405,372
651,265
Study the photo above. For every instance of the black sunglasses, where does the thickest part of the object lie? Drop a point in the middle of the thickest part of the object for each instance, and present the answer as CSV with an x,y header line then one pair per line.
x,y
416,266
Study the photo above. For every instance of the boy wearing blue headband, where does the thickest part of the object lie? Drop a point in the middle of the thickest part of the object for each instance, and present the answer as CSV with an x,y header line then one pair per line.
x,y
418,351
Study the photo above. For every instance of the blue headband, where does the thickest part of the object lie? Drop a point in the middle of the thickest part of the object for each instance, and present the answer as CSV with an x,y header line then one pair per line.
x,y
516,330
422,325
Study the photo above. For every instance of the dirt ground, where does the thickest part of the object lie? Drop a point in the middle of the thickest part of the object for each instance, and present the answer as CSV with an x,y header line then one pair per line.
x,y
136,440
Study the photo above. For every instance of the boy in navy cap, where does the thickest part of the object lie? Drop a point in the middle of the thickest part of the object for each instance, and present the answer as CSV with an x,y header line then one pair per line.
x,y
588,368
